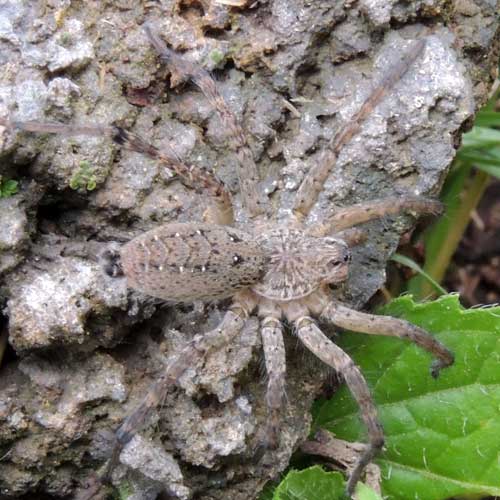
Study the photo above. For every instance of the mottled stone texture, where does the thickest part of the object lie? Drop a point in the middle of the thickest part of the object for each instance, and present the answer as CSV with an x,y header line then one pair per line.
x,y
86,349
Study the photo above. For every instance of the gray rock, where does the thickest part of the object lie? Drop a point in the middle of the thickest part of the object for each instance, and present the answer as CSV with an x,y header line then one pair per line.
x,y
14,232
77,389
68,49
51,306
156,465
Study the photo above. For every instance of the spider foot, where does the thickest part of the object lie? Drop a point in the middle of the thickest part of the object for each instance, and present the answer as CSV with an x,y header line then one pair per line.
x,y
271,439
444,358
438,364
267,439
361,466
92,489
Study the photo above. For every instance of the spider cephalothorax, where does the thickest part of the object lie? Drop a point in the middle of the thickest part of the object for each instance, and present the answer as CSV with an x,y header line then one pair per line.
x,y
298,264
275,270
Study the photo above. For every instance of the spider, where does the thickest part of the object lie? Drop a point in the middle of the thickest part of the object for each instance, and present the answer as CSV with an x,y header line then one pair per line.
x,y
274,271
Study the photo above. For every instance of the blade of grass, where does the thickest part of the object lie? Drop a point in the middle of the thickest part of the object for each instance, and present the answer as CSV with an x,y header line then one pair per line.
x,y
487,160
480,138
406,261
488,118
444,236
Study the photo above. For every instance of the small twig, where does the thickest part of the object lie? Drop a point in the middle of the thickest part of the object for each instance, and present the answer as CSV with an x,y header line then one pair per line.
x,y
344,453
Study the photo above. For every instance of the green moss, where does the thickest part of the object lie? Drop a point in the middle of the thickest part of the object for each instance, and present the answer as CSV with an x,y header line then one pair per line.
x,y
216,56
66,40
84,178
123,491
8,187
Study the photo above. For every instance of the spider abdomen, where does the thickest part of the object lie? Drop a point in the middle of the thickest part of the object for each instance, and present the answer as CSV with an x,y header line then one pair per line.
x,y
184,262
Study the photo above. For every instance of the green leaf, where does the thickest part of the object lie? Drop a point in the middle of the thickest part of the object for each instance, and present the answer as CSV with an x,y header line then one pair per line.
x,y
487,159
443,435
74,182
84,178
267,492
364,492
313,483
461,194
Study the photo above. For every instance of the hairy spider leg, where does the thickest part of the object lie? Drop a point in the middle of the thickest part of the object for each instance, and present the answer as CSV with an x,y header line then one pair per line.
x,y
353,236
253,198
199,179
221,211
275,359
230,326
392,327
312,184
345,218
331,354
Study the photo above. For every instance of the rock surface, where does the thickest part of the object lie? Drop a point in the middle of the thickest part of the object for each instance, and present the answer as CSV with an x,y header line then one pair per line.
x,y
82,354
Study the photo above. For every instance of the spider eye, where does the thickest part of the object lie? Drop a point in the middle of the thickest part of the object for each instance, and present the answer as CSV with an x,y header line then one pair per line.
x,y
334,263
342,260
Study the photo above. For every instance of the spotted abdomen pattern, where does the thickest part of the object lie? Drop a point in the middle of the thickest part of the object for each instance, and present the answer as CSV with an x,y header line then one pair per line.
x,y
183,262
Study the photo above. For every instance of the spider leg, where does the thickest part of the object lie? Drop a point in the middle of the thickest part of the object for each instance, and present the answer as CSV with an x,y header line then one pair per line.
x,y
331,354
274,353
363,212
196,349
248,176
221,212
385,325
312,184
197,178
352,236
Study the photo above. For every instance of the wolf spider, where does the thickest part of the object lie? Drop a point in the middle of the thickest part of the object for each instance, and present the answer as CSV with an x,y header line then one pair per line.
x,y
274,271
